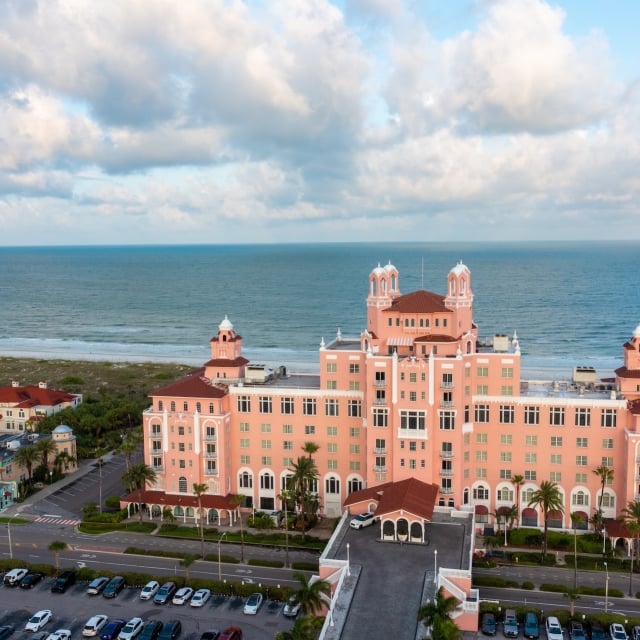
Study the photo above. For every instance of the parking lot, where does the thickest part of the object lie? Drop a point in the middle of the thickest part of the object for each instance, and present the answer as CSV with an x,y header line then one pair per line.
x,y
72,609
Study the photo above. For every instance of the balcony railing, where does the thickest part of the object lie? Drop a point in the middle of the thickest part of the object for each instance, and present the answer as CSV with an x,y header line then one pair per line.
x,y
446,404
210,472
446,454
379,383
380,401
446,491
446,385
210,438
446,472
210,454
380,450
378,469
158,468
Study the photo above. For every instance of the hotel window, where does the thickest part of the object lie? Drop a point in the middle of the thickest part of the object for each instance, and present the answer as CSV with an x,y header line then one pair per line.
x,y
212,408
507,372
555,476
466,439
482,372
332,431
246,480
481,493
506,390
413,420
381,396
309,430
581,478
482,413
413,377
354,385
380,463
582,443
556,416
607,461
481,472
556,458
530,458
286,462
354,367
447,420
354,432
583,417
180,431
266,461
287,445
332,367
287,429
413,396
527,496
331,408
180,446
157,463
506,438
607,443
332,485
309,407
413,445
412,463
531,415
332,385
423,376
481,456
354,408
265,427
402,462
530,475
244,427
531,441
265,405
580,498
505,456
556,441
354,465
482,438
608,418
156,430
482,390
332,447
244,443
402,395
156,446
173,406
381,378
286,406
198,407
266,481
608,500
160,407
380,417
507,414
245,459
185,406
581,461
244,404
505,495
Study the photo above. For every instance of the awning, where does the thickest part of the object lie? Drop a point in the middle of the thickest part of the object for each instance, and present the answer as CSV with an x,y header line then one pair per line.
x,y
555,515
482,510
400,341
583,515
529,513
504,511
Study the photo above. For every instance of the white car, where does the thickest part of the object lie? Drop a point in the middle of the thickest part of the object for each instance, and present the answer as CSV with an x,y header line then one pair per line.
x,y
292,608
38,620
149,590
363,520
131,629
182,595
13,577
60,634
94,625
200,598
253,604
618,632
553,628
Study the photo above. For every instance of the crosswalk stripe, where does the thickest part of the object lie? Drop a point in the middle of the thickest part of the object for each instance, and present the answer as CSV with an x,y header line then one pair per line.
x,y
57,521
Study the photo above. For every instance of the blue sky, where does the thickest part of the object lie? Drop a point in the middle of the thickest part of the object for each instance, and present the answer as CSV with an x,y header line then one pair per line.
x,y
213,121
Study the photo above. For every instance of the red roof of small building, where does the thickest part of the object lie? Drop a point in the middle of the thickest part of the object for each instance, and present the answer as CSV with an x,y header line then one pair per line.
x,y
623,372
435,338
226,362
420,301
634,406
149,496
34,396
195,385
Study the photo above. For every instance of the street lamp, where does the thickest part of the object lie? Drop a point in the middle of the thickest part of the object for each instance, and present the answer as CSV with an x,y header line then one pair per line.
x,y
15,515
348,565
505,529
435,566
50,477
219,565
606,589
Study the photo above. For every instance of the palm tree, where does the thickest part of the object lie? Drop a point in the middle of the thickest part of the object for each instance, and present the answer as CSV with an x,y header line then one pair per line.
x,y
310,448
238,500
547,498
517,481
98,452
137,478
28,457
606,477
437,615
305,628
576,519
64,458
310,593
46,447
305,474
573,594
129,445
198,491
286,496
631,517
186,562
57,546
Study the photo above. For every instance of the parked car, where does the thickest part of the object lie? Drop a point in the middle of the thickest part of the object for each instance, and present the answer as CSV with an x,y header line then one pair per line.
x,y
5,631
618,632
510,624
132,629
114,587
165,593
97,585
94,625
150,630
63,582
231,633
200,598
553,628
635,633
211,634
31,580
576,631
363,520
531,625
170,630
41,635
253,604
38,620
149,590
597,631
182,595
112,629
292,607
60,634
12,578
488,624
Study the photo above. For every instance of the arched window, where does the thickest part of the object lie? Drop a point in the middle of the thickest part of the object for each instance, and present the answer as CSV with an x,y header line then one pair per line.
x,y
608,500
465,496
332,485
182,484
527,494
266,481
481,493
284,481
354,485
580,498
246,480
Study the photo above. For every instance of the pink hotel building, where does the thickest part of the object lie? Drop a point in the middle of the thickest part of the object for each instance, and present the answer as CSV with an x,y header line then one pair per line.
x,y
416,395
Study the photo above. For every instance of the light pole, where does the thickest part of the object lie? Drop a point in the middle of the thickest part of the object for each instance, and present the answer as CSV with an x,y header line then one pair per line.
x,y
219,564
435,566
505,529
15,515
50,477
348,564
606,589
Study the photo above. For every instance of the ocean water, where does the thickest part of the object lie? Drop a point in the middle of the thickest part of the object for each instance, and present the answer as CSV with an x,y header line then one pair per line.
x,y
570,303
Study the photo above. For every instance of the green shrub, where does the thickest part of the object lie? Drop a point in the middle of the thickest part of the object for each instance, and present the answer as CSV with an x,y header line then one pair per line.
x,y
112,502
555,588
276,564
305,566
528,585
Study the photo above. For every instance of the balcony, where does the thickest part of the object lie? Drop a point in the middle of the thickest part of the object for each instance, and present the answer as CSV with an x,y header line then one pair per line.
x,y
210,454
446,491
209,438
159,468
378,469
446,472
210,472
446,385
380,450
446,404
155,434
446,454
380,402
379,383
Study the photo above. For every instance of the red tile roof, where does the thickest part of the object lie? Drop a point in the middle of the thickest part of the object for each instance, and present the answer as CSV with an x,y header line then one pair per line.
x,y
418,302
225,362
436,338
623,372
195,385
634,406
33,396
229,338
181,499
414,496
